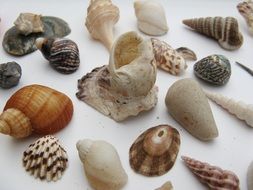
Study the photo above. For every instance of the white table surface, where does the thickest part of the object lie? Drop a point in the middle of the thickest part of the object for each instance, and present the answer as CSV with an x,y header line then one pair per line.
x,y
232,150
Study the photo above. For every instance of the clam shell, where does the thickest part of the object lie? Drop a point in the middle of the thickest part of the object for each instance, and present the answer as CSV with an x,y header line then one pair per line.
x,y
224,30
46,159
246,10
155,151
214,69
214,177
250,176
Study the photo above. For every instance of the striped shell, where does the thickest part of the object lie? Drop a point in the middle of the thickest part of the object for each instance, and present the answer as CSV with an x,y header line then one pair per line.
x,y
214,177
246,10
214,69
45,159
155,151
224,30
63,54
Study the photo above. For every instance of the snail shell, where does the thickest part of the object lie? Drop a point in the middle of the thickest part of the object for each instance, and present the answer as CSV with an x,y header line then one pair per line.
x,y
35,109
224,30
155,151
246,10
63,54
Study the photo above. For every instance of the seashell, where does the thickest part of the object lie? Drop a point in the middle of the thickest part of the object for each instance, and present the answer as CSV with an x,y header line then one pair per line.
x,y
126,86
62,54
28,23
250,71
35,109
212,176
250,176
187,53
238,108
46,159
18,45
188,105
101,164
224,30
102,15
246,10
151,17
214,69
169,59
155,151
166,186
10,73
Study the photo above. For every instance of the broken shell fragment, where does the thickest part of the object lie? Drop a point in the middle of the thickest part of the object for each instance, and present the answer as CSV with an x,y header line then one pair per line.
x,y
250,176
212,176
46,159
166,186
101,164
155,151
246,10
188,105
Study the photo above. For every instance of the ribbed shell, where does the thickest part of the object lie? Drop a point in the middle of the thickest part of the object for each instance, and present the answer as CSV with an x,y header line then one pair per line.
x,y
155,151
214,69
45,159
246,10
224,30
214,177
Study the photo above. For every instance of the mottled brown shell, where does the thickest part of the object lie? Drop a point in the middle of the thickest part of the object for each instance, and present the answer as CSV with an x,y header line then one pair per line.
x,y
155,151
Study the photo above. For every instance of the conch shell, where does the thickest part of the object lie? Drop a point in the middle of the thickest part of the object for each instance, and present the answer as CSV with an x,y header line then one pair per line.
x,y
35,109
238,108
250,176
166,186
246,10
224,30
101,164
151,17
126,86
214,177
102,15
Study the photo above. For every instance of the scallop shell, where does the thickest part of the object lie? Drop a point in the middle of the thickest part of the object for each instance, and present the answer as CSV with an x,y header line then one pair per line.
x,y
214,69
28,23
151,17
62,54
46,159
169,59
155,151
212,176
238,108
10,73
246,10
166,186
35,109
126,86
250,176
224,30
102,15
101,164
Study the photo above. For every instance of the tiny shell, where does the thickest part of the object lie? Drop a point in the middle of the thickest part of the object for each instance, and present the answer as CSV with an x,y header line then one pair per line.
x,y
155,151
214,177
250,176
46,159
246,10
10,73
166,186
214,69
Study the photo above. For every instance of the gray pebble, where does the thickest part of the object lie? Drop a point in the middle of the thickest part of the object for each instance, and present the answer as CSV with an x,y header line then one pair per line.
x,y
10,74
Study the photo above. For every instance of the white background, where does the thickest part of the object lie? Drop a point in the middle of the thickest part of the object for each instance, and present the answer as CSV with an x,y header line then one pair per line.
x,y
232,150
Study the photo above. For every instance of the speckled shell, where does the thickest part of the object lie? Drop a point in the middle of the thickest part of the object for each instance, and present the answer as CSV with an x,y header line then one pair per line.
x,y
250,176
10,74
224,30
214,177
246,10
46,159
214,69
62,54
155,151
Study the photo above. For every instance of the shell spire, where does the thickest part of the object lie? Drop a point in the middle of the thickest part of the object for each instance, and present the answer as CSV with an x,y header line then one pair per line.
x,y
246,10
238,108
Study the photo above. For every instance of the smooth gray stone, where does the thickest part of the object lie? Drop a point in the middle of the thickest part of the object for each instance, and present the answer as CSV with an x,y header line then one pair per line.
x,y
10,73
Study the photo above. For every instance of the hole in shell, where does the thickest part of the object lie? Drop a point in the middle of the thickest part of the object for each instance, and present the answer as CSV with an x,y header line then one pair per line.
x,y
160,134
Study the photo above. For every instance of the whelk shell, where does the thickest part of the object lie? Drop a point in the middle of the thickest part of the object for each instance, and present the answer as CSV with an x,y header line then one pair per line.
x,y
166,186
246,10
224,30
102,15
35,109
250,176
155,151
46,159
214,177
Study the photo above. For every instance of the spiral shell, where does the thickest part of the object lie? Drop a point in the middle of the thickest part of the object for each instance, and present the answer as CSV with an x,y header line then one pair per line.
x,y
63,54
155,151
46,159
224,30
246,10
212,176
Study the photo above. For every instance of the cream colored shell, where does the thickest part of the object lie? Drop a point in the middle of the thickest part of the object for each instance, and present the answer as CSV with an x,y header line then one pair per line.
x,y
246,10
166,186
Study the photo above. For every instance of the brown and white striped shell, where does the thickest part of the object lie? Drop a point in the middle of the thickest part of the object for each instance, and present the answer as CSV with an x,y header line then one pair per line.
x,y
155,151
214,177
46,159
224,30
246,10
62,53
